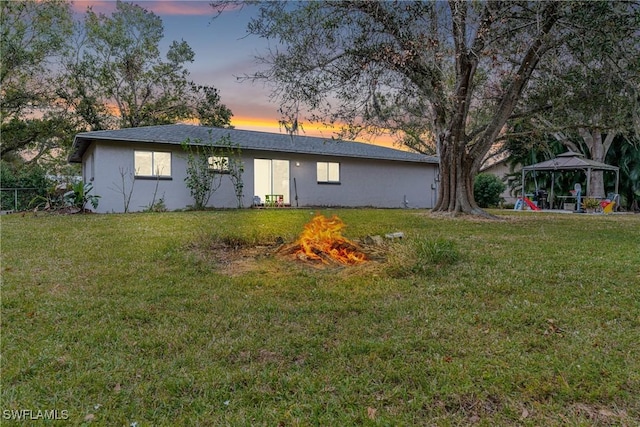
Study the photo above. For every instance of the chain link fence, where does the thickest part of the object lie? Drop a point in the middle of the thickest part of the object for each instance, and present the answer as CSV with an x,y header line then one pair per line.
x,y
20,199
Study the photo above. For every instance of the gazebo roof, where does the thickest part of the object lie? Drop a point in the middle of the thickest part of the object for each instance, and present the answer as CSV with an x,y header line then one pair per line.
x,y
569,161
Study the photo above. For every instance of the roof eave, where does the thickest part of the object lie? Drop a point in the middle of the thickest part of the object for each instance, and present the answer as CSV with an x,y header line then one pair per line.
x,y
78,149
80,145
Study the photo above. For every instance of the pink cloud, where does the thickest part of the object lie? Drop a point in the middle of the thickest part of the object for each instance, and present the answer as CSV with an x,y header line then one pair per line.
x,y
98,6
197,8
159,7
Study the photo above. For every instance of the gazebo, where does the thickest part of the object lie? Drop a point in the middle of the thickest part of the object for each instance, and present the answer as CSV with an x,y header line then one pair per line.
x,y
570,161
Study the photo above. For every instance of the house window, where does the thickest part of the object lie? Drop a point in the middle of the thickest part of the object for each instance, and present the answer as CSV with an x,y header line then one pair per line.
x,y
328,172
156,164
218,164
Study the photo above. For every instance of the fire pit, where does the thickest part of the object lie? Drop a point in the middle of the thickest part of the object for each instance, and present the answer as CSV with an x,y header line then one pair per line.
x,y
322,241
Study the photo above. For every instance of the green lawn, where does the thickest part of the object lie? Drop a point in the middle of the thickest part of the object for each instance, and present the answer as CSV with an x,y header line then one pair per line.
x,y
138,318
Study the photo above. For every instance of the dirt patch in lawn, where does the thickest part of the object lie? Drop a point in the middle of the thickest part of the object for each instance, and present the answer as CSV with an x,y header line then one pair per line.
x,y
235,257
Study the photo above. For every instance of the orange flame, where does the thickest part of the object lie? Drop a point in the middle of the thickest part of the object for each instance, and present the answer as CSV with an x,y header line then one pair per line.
x,y
321,239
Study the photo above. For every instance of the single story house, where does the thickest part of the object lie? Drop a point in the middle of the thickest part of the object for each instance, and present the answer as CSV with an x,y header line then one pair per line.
x,y
149,163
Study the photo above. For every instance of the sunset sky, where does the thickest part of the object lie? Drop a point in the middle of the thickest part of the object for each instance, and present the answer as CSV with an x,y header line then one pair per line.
x,y
223,51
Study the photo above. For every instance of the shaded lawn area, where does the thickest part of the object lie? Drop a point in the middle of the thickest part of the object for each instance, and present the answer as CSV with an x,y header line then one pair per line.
x,y
121,319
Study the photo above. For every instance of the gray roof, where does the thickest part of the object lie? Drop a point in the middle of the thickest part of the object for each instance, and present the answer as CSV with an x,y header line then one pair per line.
x,y
569,160
248,140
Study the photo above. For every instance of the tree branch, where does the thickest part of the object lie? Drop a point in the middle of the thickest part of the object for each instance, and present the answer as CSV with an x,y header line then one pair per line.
x,y
517,84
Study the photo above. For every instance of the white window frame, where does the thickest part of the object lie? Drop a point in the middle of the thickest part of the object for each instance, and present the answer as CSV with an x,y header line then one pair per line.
x,y
327,177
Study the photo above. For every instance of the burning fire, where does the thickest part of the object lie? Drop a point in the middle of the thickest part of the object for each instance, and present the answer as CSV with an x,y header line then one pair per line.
x,y
321,240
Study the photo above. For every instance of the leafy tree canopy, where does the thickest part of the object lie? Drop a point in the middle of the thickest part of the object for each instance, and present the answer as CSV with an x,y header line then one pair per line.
x,y
34,35
121,79
59,77
588,92
444,75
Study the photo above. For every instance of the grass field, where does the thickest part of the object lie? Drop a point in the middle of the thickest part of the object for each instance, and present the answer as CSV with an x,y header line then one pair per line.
x,y
190,318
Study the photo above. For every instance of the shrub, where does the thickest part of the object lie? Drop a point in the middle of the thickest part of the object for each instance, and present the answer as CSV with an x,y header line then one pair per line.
x,y
79,196
487,189
204,173
156,206
590,203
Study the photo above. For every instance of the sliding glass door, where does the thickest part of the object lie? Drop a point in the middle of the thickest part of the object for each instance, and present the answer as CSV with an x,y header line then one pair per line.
x,y
271,177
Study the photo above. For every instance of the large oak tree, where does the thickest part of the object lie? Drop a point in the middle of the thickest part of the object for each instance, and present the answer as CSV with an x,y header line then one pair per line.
x,y
444,75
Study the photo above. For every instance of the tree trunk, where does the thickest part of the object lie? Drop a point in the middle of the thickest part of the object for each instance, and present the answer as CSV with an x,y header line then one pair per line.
x,y
455,193
597,152
460,157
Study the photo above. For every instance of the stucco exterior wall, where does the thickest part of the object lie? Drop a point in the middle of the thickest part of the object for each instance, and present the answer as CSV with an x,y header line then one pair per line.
x,y
112,159
363,182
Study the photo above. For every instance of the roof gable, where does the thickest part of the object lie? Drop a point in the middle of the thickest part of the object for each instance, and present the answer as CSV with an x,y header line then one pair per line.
x,y
248,140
